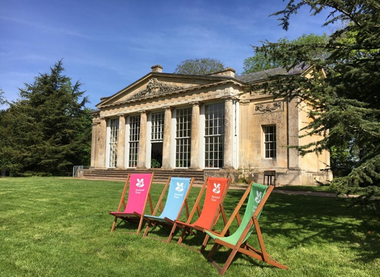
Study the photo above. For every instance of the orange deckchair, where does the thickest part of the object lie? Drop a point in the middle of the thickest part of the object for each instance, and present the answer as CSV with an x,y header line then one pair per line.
x,y
138,196
237,242
212,208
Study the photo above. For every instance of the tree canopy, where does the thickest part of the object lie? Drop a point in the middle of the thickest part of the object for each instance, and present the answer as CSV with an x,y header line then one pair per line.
x,y
262,60
48,130
199,66
345,101
2,99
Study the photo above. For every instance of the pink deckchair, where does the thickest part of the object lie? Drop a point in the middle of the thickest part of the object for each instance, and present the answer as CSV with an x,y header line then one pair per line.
x,y
138,195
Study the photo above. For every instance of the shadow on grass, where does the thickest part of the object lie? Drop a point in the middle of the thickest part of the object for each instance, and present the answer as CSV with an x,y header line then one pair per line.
x,y
308,220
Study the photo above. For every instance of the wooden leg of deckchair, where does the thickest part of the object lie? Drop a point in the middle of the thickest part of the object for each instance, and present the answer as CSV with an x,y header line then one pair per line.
x,y
209,259
204,244
172,232
228,262
147,229
182,235
261,240
140,225
114,224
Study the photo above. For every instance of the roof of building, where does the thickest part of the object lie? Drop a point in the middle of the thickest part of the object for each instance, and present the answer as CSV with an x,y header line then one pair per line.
x,y
265,74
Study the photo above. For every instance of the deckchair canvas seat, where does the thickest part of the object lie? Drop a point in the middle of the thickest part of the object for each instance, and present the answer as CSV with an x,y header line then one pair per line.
x,y
176,202
212,208
138,197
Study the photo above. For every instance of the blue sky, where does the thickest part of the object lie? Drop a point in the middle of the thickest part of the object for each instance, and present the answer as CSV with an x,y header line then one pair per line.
x,y
107,45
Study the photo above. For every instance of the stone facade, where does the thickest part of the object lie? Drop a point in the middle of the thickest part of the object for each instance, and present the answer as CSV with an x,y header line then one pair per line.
x,y
205,122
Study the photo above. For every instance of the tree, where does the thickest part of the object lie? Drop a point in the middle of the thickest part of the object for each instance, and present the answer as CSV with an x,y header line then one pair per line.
x,y
199,66
2,99
262,61
345,102
48,130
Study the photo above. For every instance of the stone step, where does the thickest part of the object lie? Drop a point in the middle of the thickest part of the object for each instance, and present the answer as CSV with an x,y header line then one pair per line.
x,y
160,175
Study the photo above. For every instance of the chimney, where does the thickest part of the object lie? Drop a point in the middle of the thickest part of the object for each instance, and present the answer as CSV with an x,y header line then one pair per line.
x,y
157,68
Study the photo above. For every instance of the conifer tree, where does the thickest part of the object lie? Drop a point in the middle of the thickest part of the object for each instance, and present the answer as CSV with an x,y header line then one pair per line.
x,y
48,130
345,101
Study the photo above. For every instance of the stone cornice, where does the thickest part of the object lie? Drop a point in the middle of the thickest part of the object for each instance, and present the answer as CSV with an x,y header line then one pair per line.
x,y
170,92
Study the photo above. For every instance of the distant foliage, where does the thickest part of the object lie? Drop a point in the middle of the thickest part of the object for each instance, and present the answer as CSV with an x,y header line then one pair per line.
x,y
199,66
48,130
262,60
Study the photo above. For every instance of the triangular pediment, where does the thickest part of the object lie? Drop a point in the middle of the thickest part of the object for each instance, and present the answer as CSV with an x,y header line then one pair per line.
x,y
155,85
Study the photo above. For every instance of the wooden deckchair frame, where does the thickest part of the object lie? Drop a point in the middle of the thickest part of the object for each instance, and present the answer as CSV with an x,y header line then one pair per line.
x,y
242,246
196,207
167,221
135,216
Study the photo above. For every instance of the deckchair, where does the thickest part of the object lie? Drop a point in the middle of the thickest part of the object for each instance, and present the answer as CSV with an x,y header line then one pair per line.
x,y
176,202
258,195
138,196
212,208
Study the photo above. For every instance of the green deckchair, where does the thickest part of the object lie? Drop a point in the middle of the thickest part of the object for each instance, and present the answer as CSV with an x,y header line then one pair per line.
x,y
258,195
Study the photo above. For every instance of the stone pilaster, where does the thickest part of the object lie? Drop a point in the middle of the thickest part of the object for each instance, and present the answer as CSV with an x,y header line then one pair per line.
x,y
121,142
228,133
102,143
94,143
194,157
142,143
166,147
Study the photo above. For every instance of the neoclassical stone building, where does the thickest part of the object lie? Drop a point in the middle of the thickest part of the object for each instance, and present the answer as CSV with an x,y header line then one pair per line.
x,y
204,122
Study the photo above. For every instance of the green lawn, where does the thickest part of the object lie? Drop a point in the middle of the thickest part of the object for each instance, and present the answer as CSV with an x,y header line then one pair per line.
x,y
61,227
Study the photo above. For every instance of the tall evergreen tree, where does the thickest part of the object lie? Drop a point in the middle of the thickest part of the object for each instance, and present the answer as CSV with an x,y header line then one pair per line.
x,y
48,130
345,101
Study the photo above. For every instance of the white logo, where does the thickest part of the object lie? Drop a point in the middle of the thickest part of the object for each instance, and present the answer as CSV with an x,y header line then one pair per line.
x,y
216,188
179,187
258,196
140,183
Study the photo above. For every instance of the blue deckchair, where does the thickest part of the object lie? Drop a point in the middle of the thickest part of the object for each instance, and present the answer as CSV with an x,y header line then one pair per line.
x,y
176,201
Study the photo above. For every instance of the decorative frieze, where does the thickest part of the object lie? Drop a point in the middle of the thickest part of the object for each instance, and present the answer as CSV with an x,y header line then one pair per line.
x,y
269,107
154,87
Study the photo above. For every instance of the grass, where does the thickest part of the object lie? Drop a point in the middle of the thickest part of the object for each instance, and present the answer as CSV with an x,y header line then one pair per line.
x,y
61,227
307,188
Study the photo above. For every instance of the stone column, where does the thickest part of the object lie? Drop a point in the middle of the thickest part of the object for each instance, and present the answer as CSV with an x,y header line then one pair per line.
x,y
94,143
121,142
166,146
142,142
194,157
102,143
228,133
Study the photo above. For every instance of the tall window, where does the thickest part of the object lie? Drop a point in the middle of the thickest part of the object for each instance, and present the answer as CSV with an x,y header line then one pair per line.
x,y
157,127
183,137
134,137
214,135
113,134
269,133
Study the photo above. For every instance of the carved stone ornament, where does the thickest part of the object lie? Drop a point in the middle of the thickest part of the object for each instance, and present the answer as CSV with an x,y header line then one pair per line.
x,y
268,108
154,87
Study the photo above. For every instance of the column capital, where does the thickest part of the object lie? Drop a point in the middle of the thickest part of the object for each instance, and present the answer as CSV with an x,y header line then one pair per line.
x,y
168,107
195,103
229,98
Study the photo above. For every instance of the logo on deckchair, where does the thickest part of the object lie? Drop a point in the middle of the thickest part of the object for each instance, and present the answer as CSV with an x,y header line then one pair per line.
x,y
140,183
216,188
259,195
179,187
